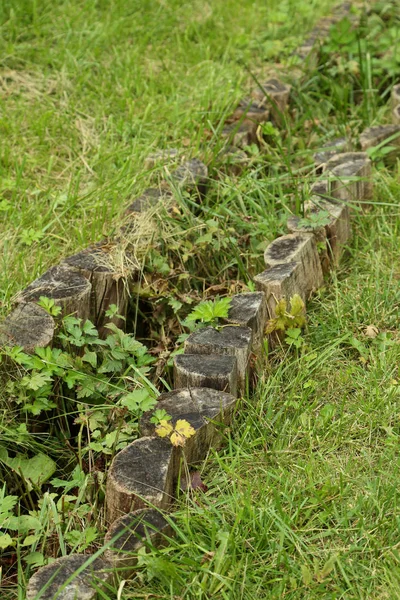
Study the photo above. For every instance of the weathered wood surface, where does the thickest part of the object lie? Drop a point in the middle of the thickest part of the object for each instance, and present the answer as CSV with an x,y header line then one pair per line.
x,y
204,408
49,582
283,281
144,527
395,96
351,177
216,372
295,225
301,249
249,310
149,199
143,473
240,134
228,341
337,232
69,289
28,326
275,95
322,188
108,286
330,149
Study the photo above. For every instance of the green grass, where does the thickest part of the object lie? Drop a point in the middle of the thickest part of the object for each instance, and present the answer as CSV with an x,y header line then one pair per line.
x,y
302,499
88,90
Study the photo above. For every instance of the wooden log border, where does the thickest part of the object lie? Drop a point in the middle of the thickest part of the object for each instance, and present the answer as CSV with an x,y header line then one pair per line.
x,y
142,480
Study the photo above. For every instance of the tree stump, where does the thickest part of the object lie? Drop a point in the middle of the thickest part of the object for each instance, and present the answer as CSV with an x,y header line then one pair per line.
x,y
274,94
330,149
108,286
351,174
249,310
294,225
50,582
373,136
337,232
144,527
142,474
70,290
283,281
28,326
302,250
205,409
229,341
216,372
240,134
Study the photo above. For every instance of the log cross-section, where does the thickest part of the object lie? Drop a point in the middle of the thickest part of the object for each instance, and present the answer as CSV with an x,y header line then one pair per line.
x,y
69,289
216,372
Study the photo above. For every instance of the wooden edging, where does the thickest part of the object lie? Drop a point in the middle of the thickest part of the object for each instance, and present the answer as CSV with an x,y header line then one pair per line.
x,y
216,365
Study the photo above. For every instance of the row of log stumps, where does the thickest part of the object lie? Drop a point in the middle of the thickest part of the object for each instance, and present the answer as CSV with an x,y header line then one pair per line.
x,y
216,366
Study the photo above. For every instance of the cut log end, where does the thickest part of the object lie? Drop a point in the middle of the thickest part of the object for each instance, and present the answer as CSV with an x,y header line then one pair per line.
x,y
127,534
28,326
216,372
69,289
58,579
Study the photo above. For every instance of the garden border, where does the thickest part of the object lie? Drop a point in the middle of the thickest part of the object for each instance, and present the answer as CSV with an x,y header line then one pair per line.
x,y
213,371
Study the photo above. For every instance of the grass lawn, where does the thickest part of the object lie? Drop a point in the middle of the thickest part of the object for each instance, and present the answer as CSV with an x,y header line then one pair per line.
x,y
302,498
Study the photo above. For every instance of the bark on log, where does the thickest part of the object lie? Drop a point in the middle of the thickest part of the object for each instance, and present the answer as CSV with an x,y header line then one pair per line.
x,y
144,527
28,326
351,177
395,96
143,473
283,281
216,372
108,287
373,136
49,582
205,409
300,249
295,225
229,341
240,134
337,231
70,290
249,310
274,94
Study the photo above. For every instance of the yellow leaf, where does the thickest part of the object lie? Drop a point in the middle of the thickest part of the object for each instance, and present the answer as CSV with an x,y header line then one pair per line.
x,y
164,429
296,305
184,428
177,439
